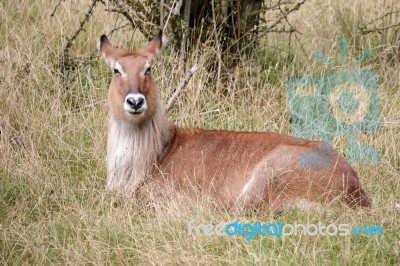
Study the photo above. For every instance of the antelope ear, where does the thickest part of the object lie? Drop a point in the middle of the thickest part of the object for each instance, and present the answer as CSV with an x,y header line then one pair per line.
x,y
155,45
106,50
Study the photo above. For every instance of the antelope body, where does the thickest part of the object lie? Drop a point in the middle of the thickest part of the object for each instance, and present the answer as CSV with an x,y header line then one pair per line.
x,y
238,169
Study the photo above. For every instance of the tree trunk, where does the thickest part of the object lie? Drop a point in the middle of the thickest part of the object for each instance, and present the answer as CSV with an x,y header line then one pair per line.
x,y
236,23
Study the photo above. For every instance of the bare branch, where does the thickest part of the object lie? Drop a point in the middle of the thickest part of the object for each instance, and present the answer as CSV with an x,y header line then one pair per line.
x,y
364,30
55,8
272,7
172,10
162,14
124,12
217,44
180,87
186,18
118,28
284,16
380,18
71,40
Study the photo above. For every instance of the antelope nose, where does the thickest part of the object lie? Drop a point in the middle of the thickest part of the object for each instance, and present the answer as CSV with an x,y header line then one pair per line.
x,y
135,103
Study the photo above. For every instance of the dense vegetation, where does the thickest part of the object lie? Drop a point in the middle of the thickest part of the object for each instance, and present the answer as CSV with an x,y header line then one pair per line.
x,y
53,205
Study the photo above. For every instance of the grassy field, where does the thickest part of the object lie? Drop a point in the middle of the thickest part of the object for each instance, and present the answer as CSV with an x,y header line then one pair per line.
x,y
53,205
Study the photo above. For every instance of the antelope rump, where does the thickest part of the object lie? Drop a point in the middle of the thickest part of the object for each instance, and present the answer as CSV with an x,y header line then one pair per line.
x,y
237,169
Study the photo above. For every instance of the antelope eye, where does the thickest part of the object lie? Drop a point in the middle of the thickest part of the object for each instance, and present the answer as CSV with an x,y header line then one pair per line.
x,y
148,71
116,71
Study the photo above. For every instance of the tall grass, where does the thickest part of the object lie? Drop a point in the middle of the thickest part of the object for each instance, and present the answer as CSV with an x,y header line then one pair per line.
x,y
53,206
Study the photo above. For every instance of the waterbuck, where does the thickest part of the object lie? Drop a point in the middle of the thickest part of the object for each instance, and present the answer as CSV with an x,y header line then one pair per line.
x,y
237,169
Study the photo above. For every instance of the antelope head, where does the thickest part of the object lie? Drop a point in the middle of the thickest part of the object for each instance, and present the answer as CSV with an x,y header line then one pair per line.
x,y
133,94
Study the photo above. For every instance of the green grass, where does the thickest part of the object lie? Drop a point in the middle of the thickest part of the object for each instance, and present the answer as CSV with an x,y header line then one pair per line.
x,y
53,205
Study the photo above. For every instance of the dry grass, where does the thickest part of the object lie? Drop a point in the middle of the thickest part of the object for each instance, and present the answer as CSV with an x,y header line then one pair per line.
x,y
53,207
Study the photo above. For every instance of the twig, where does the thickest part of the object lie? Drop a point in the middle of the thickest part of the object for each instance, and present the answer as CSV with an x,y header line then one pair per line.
x,y
162,14
118,28
55,8
363,31
135,19
186,18
180,87
88,14
284,16
66,58
284,30
174,8
125,13
362,28
217,45
271,7
381,17
295,31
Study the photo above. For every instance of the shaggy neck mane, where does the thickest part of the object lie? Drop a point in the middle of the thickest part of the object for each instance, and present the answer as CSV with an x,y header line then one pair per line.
x,y
134,149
